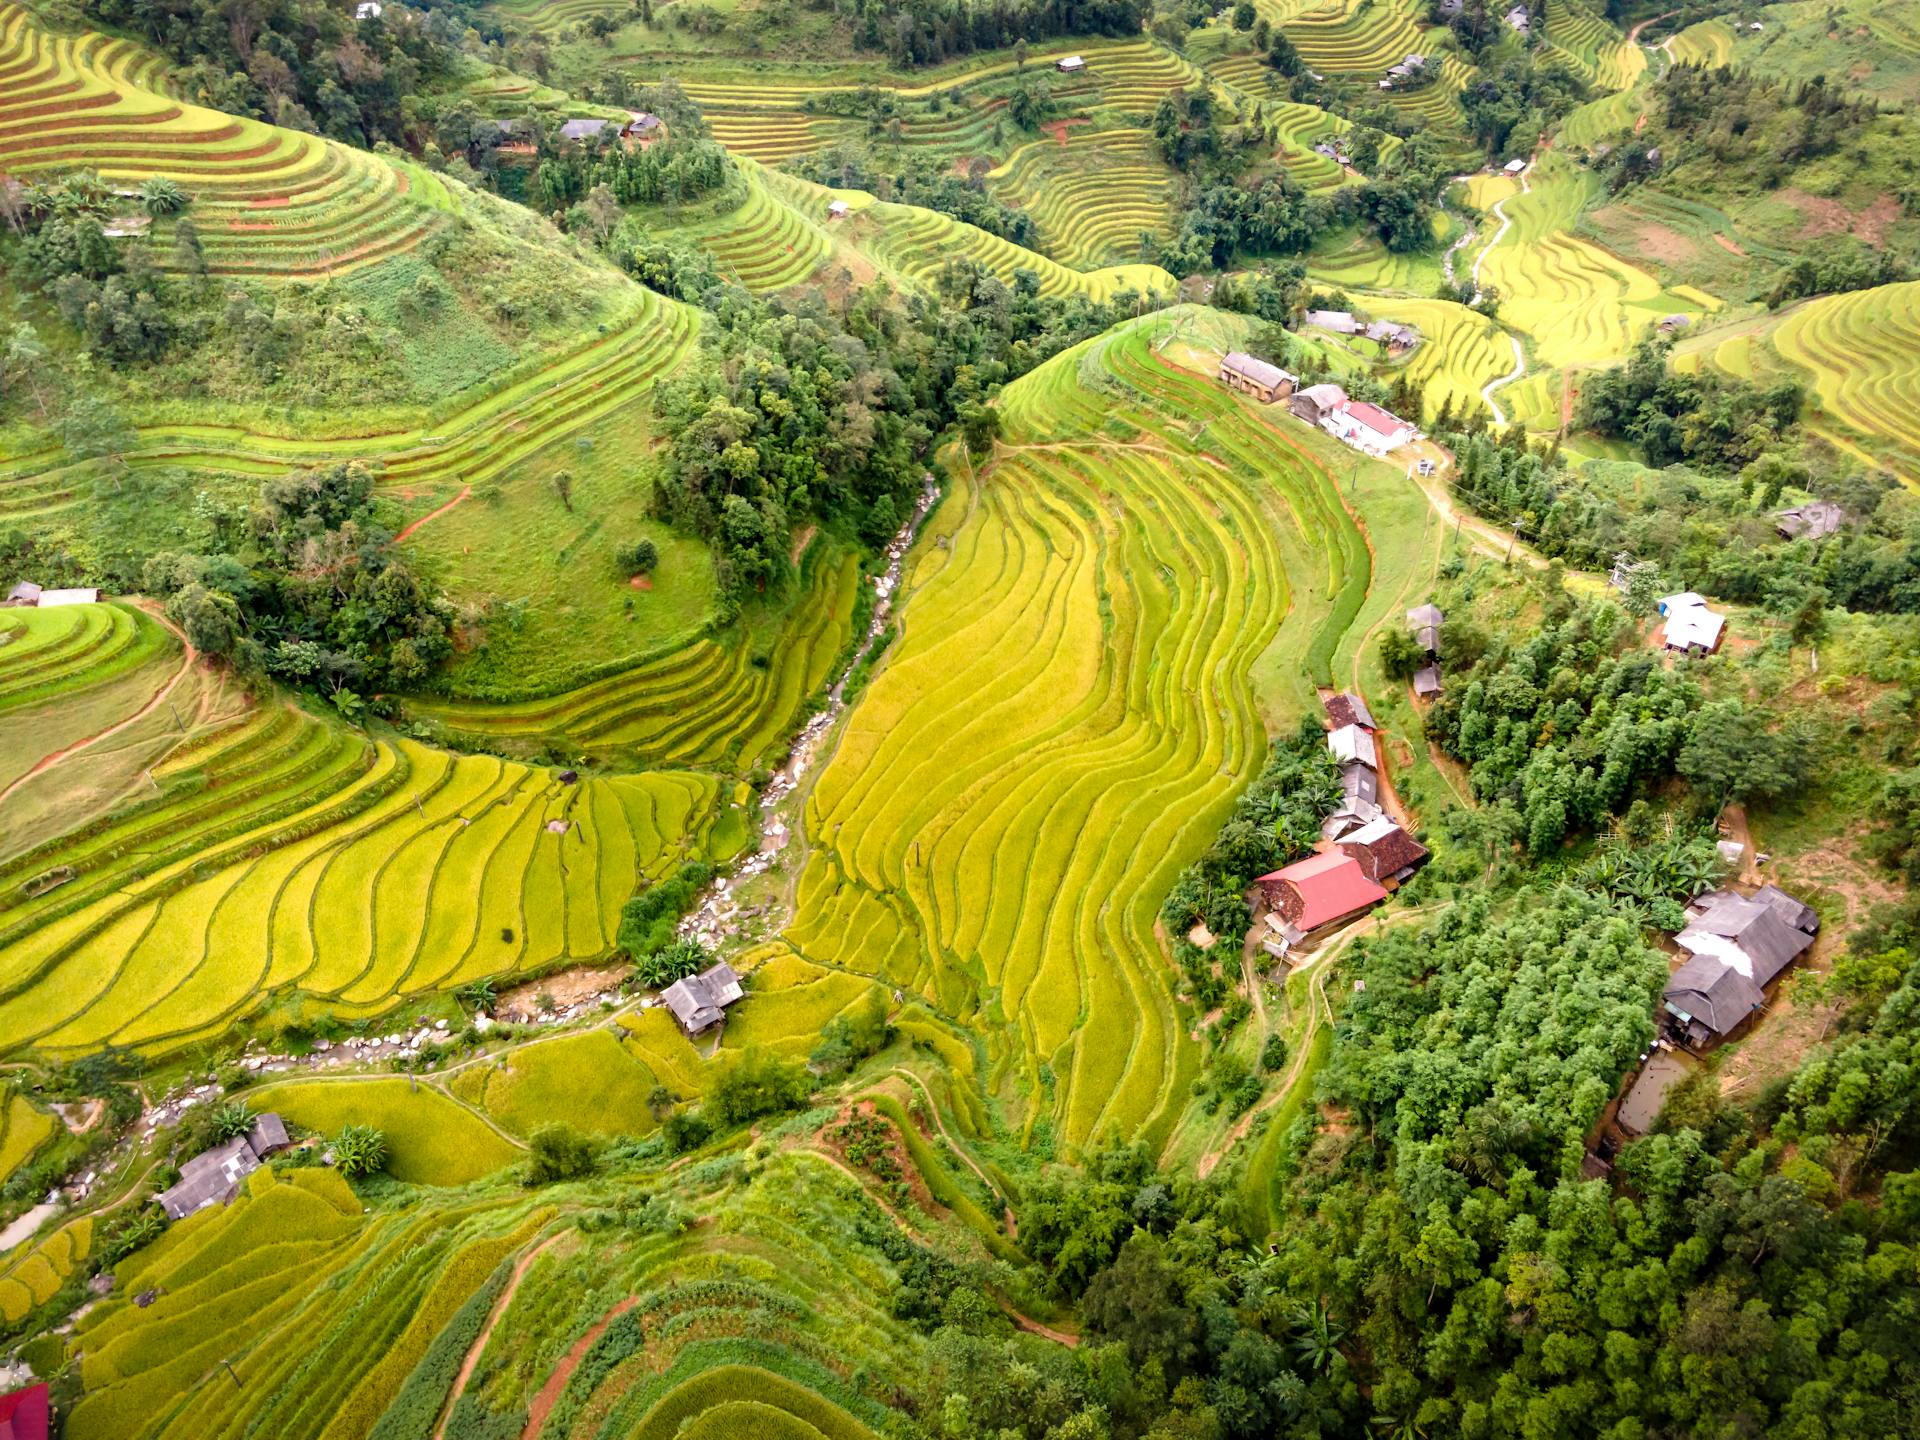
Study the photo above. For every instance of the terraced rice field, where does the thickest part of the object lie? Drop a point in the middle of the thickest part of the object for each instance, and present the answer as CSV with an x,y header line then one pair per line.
x,y
1857,351
709,703
283,855
541,402
1709,44
23,1130
49,654
767,243
1593,47
1093,198
1108,584
1459,352
322,1315
1365,38
431,1138
268,202
916,245
1578,303
35,1272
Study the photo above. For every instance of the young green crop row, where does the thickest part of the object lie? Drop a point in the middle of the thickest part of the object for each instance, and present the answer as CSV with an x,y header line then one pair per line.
x,y
268,202
355,875
310,1315
707,703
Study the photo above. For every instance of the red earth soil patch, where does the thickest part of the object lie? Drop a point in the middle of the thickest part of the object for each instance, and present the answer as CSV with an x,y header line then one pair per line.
x,y
641,582
433,514
1829,217
268,202
1058,128
251,225
1732,247
550,1392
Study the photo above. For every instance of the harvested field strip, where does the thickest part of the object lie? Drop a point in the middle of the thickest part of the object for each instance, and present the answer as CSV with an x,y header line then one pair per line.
x,y
707,704
23,1130
1131,490
1858,350
348,874
54,652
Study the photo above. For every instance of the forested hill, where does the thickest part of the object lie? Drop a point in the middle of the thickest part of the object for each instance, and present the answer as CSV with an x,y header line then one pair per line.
x,y
932,719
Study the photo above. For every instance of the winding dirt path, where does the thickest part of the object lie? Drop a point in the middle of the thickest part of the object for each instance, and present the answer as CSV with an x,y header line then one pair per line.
x,y
468,1365
160,697
556,1385
466,492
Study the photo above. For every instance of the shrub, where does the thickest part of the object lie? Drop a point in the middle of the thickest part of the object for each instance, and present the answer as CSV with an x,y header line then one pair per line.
x,y
559,1152
360,1150
638,558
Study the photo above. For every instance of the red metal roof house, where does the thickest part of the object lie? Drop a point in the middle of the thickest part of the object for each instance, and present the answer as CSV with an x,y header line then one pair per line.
x,y
25,1414
1317,891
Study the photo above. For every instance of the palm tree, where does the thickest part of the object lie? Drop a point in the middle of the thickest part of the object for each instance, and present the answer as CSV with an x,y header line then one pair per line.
x,y
161,197
1318,1342
359,1150
231,1119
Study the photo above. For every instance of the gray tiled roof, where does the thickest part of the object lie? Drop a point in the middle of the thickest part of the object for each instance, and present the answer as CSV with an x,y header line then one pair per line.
x,y
1713,993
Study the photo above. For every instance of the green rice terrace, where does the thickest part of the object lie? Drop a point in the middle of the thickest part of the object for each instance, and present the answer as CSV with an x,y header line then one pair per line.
x,y
983,720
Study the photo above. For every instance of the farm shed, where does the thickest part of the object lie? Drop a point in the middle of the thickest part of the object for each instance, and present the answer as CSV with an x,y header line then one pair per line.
x,y
699,1002
1514,167
836,209
53,599
1671,324
1316,402
367,10
1347,708
1386,854
641,123
1261,379
26,1414
1314,893
1641,1106
1353,745
1070,64
1397,338
1426,682
1760,937
1813,521
1518,20
1425,622
213,1175
25,593
1360,785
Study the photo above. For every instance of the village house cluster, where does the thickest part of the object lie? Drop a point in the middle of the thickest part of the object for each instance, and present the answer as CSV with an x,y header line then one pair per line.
x,y
1362,425
1364,854
213,1176
1425,622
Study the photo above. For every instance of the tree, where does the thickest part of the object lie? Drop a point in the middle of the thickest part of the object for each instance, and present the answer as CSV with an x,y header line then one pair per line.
x,y
210,619
639,558
1400,654
1282,56
557,1151
93,429
1733,753
563,487
1140,1303
1244,15
359,1150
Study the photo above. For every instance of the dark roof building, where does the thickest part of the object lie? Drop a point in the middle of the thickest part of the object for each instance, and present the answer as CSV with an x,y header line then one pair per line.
x,y
699,1002
1353,744
582,129
1316,402
1347,708
1359,784
1385,853
213,1176
1426,682
26,1414
1709,1000
1760,937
